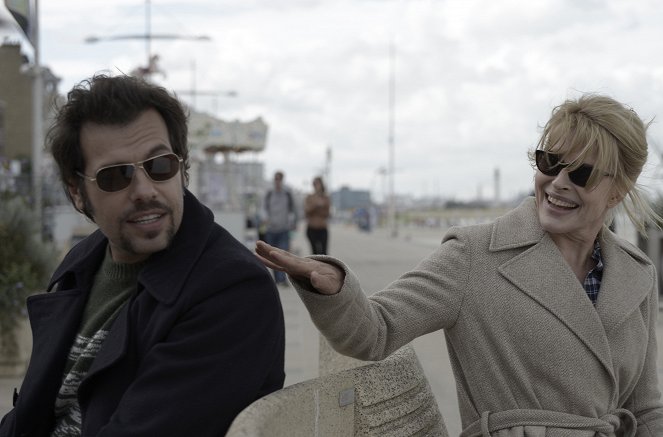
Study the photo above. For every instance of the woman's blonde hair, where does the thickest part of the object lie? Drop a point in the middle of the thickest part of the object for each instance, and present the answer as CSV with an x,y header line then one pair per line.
x,y
597,125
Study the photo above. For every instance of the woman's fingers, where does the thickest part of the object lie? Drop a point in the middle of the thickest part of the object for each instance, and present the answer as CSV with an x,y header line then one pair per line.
x,y
280,259
325,278
268,263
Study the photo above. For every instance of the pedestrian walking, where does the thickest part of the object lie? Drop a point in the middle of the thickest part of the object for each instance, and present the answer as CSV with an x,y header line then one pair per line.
x,y
317,208
281,214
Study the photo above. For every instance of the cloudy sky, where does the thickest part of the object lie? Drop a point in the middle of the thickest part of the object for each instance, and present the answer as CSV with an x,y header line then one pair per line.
x,y
474,79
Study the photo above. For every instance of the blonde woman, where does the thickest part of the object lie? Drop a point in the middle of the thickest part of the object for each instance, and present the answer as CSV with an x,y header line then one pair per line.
x,y
550,318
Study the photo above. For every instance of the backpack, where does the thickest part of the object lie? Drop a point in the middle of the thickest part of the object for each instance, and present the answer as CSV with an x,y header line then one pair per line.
x,y
291,203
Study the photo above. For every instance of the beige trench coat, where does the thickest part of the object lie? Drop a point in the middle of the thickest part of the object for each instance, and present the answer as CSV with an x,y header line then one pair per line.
x,y
531,355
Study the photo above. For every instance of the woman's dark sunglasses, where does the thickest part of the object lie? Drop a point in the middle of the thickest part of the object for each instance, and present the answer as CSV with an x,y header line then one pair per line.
x,y
118,177
550,164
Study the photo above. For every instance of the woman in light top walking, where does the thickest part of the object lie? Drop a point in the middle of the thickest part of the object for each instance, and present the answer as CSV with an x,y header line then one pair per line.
x,y
317,210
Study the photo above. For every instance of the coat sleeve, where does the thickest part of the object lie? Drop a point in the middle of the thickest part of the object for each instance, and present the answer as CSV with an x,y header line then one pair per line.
x,y
222,353
424,300
645,401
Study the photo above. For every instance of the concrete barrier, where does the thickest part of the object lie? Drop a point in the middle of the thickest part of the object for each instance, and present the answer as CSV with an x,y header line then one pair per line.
x,y
388,398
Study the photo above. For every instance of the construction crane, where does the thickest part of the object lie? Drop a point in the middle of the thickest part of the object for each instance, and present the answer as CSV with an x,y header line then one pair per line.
x,y
151,66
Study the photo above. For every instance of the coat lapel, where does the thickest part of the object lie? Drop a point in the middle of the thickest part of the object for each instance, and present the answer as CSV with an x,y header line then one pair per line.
x,y
621,294
54,319
167,272
541,272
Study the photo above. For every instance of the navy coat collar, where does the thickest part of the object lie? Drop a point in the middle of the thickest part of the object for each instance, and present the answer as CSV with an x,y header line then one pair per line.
x,y
166,271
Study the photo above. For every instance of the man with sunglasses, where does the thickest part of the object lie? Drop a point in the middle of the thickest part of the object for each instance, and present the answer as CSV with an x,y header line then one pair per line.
x,y
549,317
159,323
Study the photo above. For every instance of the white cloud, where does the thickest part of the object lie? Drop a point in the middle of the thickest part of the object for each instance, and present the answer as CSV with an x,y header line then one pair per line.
x,y
474,78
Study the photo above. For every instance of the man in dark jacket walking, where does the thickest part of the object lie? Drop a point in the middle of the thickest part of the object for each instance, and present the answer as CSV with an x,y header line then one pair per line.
x,y
160,323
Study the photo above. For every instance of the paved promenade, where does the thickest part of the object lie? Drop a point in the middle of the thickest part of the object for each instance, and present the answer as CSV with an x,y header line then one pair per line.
x,y
377,258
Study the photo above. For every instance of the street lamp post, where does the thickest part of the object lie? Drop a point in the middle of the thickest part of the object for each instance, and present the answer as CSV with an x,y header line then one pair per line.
x,y
392,91
37,118
26,15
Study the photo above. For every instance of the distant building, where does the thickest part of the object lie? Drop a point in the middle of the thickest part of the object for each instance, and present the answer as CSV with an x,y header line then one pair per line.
x,y
16,88
225,173
347,199
228,185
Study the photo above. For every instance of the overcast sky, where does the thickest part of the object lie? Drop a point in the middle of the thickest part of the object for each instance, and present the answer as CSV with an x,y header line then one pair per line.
x,y
474,79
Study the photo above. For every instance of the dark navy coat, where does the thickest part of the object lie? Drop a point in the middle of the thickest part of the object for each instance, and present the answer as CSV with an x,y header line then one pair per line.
x,y
202,338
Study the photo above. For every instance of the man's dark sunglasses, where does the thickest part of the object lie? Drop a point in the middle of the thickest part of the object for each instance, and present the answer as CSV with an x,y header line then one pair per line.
x,y
118,177
550,164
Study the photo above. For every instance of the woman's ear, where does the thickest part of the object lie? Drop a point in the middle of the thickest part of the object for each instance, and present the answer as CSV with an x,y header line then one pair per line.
x,y
614,199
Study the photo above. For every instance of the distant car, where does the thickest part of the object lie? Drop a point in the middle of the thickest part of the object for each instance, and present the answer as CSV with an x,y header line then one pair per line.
x,y
363,219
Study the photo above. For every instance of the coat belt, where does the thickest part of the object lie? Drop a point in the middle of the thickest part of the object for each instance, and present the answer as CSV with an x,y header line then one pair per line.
x,y
604,426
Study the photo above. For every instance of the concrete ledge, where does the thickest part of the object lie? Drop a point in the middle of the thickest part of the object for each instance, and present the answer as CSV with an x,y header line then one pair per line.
x,y
388,398
309,408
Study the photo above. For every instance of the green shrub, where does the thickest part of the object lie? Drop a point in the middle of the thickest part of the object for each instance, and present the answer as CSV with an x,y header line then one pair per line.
x,y
25,265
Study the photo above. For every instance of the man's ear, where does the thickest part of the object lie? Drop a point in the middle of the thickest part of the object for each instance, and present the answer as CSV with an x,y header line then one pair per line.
x,y
76,196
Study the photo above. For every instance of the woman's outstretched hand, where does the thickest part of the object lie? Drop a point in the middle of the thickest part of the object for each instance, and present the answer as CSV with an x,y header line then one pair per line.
x,y
325,278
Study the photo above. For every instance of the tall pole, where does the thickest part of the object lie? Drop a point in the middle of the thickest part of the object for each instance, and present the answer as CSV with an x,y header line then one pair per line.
x,y
328,165
37,117
392,91
193,83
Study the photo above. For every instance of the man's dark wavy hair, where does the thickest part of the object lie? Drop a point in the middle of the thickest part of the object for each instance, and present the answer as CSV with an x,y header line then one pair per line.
x,y
110,100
